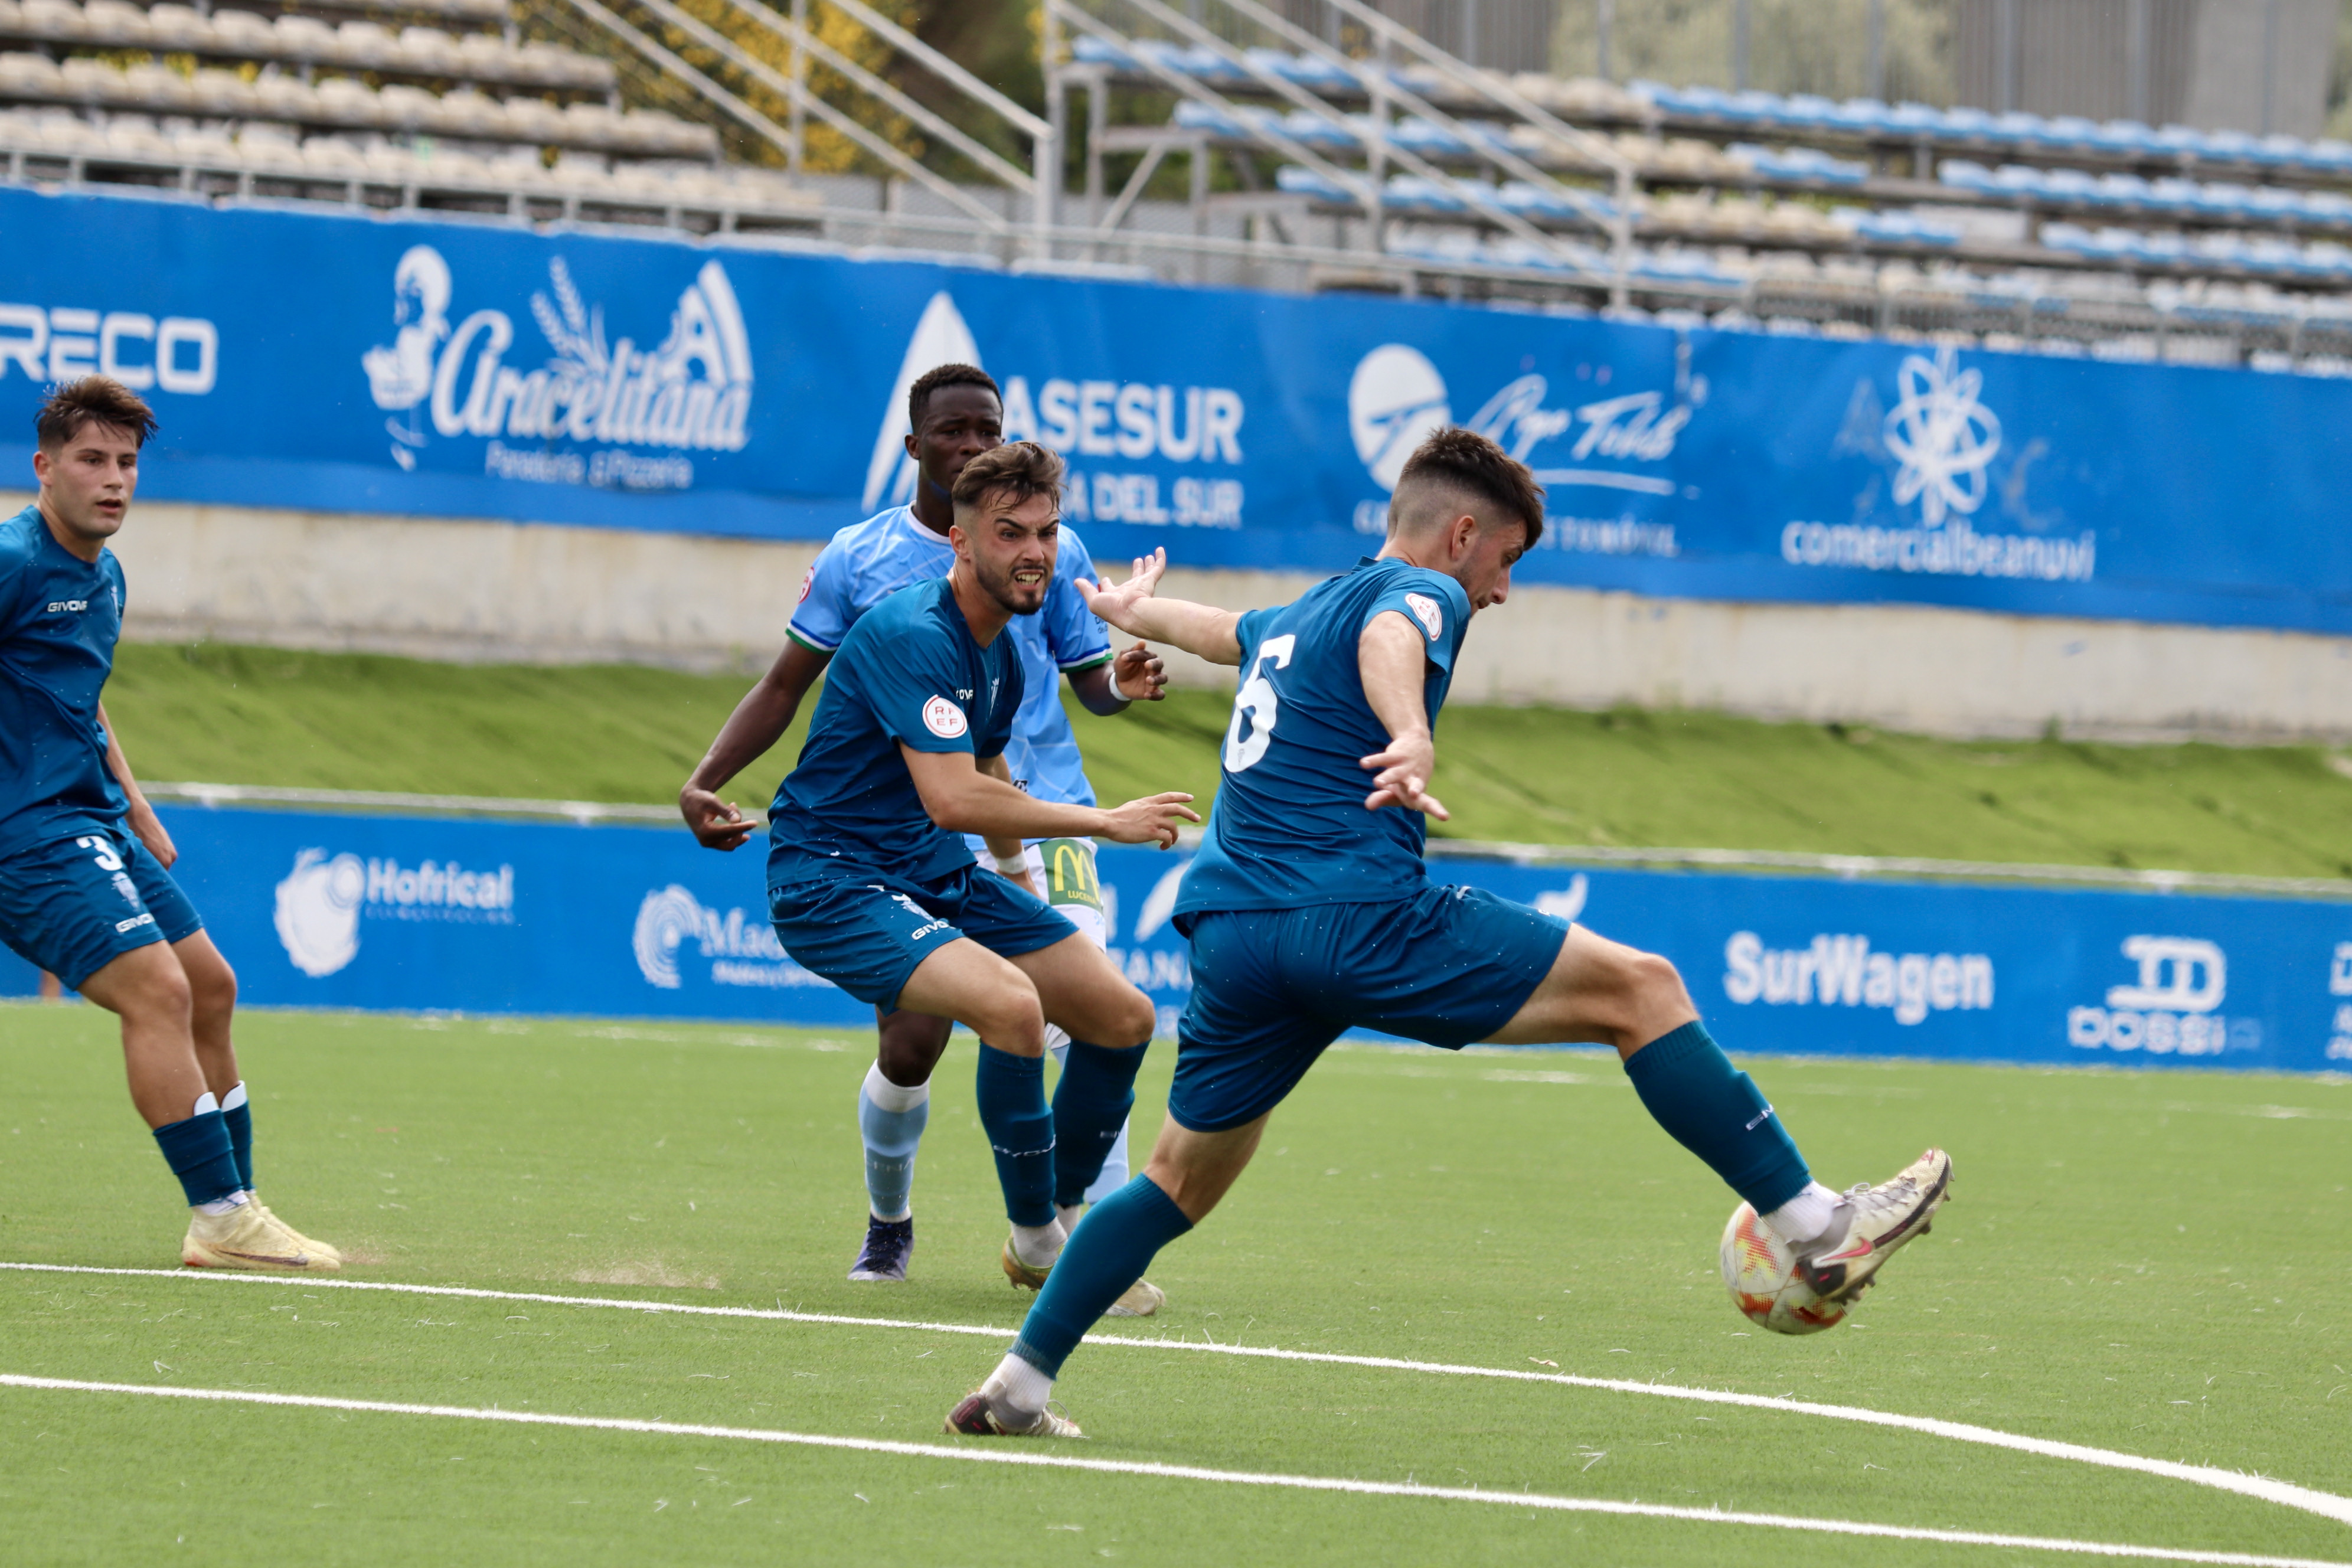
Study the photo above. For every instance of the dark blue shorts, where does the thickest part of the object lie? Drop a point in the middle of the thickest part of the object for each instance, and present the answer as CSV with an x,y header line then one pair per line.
x,y
1272,987
74,904
866,934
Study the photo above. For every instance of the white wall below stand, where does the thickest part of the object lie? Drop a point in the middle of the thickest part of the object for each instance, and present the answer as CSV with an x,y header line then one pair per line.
x,y
542,593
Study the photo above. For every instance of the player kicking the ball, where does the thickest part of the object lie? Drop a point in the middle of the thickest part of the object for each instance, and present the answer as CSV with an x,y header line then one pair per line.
x,y
954,414
871,887
1309,911
85,890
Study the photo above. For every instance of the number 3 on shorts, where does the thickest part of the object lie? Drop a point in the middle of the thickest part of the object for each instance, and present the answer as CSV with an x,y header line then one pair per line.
x,y
1257,699
106,858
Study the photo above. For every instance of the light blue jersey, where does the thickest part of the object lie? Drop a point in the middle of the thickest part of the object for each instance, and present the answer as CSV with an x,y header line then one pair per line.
x,y
867,562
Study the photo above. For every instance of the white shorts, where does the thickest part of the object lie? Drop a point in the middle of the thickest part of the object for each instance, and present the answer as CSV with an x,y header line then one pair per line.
x,y
1062,872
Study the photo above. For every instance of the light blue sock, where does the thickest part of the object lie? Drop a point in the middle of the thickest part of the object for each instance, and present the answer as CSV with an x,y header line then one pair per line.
x,y
891,1118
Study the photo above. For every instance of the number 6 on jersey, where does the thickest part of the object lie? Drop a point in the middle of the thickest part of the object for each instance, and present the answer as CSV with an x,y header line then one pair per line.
x,y
1257,701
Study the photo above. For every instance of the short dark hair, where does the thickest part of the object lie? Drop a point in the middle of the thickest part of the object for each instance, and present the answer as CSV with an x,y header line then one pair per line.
x,y
931,380
1015,471
1458,463
93,399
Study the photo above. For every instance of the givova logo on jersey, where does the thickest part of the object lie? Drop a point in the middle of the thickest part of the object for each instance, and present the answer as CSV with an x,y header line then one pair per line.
x,y
320,904
742,948
690,392
2171,1007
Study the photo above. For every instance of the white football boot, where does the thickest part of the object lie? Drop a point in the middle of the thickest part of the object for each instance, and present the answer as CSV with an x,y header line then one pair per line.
x,y
1871,1224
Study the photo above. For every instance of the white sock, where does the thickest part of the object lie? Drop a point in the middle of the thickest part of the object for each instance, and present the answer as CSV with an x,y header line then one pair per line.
x,y
892,1097
235,1097
205,1104
1068,1215
219,1206
1038,1246
1805,1217
1018,1384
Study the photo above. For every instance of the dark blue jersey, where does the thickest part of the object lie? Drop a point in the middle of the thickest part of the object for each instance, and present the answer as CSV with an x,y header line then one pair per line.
x,y
1289,826
59,618
908,672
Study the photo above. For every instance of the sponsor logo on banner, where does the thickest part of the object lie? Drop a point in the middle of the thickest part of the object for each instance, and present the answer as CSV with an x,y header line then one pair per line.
x,y
321,901
1842,972
1197,428
590,399
1941,440
2172,1008
2339,984
178,354
742,948
1397,398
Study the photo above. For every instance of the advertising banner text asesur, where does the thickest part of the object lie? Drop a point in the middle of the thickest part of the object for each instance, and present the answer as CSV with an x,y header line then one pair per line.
x,y
374,365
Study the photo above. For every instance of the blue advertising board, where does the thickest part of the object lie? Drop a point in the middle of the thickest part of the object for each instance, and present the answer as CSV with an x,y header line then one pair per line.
x,y
397,365
506,917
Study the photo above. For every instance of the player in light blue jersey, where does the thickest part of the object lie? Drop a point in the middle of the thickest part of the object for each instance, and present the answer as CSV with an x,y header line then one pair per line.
x,y
953,415
1309,912
86,889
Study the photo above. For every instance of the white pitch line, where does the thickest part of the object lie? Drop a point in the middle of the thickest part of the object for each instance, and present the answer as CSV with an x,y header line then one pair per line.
x,y
2285,1493
998,1456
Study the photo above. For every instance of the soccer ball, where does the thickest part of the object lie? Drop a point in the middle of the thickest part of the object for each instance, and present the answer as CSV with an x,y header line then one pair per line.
x,y
1760,1271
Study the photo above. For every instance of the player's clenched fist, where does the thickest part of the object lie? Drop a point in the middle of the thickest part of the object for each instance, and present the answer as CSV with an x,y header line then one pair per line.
x,y
1154,819
717,824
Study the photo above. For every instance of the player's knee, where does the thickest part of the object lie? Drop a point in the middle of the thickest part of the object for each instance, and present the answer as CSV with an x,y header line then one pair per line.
x,y
1652,984
1014,1019
1133,1022
212,990
162,995
912,1046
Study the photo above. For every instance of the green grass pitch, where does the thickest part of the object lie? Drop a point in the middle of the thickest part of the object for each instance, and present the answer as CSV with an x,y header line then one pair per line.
x,y
2151,1263
262,716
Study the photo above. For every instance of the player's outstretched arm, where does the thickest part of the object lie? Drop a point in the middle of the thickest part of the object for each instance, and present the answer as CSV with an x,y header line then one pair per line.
x,y
1391,660
1137,675
758,723
1135,608
959,797
141,818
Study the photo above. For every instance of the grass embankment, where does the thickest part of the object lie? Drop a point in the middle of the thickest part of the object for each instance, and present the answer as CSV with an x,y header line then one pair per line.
x,y
240,715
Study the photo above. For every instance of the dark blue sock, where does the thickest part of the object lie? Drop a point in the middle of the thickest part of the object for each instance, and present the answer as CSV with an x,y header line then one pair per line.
x,y
198,1152
1090,1106
1019,1126
1122,1235
239,1120
1717,1112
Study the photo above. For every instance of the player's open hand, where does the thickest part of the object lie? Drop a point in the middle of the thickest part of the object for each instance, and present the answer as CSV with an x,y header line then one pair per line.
x,y
1138,675
1403,774
1112,604
716,822
149,829
1154,819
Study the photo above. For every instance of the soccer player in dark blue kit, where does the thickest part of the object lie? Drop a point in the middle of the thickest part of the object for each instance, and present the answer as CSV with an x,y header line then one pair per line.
x,y
85,890
1309,911
871,884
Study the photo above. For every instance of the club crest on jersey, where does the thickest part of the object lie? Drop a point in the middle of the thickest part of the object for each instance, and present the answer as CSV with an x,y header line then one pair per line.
x,y
1432,618
944,719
